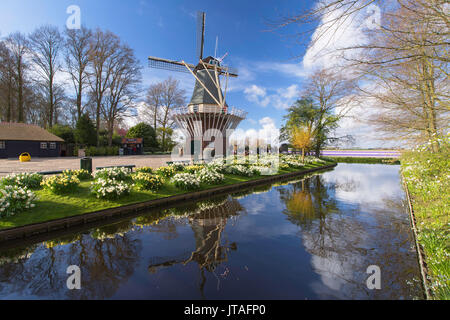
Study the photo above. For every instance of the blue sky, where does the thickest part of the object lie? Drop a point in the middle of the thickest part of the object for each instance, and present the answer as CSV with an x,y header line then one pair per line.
x,y
270,76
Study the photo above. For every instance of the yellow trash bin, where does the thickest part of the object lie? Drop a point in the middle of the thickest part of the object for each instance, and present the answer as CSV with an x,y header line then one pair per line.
x,y
24,157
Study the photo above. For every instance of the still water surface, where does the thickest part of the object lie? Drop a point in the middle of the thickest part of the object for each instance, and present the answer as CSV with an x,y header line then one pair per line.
x,y
306,239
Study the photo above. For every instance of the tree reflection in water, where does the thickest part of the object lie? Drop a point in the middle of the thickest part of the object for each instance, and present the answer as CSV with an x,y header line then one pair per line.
x,y
344,239
208,223
106,257
109,255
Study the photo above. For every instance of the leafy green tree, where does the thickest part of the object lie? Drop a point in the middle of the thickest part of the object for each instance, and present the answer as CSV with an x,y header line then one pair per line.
x,y
167,144
64,132
147,132
85,133
306,113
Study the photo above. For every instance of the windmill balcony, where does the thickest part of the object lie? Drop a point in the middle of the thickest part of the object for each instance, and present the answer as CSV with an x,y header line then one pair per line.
x,y
210,108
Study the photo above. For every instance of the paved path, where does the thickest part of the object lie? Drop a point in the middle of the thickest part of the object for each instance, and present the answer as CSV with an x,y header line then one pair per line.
x,y
8,166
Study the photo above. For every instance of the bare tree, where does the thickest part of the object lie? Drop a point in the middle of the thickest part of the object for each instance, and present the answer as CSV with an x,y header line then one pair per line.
x,y
334,95
405,59
7,84
153,100
122,87
18,45
172,96
77,59
103,53
46,43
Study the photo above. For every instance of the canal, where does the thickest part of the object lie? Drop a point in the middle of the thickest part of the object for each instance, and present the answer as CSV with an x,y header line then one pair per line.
x,y
312,238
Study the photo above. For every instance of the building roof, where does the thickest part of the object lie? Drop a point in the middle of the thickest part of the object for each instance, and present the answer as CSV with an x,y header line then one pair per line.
x,y
200,95
132,140
25,132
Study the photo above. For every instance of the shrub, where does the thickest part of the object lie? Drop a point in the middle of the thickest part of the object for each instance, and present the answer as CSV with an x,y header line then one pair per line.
x,y
166,172
15,199
178,167
143,130
259,170
24,180
210,176
145,170
102,151
110,188
60,184
121,174
186,181
283,166
239,170
193,168
147,181
81,174
218,167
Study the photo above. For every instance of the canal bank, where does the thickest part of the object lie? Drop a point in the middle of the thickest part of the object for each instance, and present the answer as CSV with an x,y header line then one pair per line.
x,y
30,230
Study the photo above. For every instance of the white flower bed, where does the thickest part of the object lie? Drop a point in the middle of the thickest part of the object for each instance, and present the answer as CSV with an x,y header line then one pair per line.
x,y
14,199
118,173
24,180
210,176
110,188
264,171
186,181
217,166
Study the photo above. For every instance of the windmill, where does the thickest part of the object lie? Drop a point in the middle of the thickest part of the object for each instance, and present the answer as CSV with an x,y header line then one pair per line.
x,y
207,119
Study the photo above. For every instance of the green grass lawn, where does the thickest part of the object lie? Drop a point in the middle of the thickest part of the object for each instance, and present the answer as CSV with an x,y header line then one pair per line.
x,y
51,206
427,177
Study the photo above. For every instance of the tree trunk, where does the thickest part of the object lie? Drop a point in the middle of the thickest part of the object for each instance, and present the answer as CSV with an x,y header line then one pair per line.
x,y
20,117
97,122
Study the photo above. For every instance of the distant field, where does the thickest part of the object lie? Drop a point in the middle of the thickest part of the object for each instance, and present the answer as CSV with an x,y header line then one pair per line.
x,y
362,153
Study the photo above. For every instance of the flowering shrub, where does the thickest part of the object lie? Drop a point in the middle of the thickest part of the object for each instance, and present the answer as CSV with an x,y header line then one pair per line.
x,y
14,199
24,180
193,168
217,166
210,176
186,181
311,159
258,170
239,170
121,174
81,174
110,188
60,184
283,166
144,170
178,167
166,172
146,181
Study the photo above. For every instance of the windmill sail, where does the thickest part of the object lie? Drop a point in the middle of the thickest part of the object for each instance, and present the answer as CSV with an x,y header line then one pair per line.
x,y
200,34
164,64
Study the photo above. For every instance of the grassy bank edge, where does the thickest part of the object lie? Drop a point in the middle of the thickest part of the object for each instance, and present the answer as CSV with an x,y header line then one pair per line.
x,y
367,160
425,175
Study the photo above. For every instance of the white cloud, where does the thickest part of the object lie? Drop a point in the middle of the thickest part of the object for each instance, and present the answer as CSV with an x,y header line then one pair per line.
x,y
281,99
267,130
331,36
254,93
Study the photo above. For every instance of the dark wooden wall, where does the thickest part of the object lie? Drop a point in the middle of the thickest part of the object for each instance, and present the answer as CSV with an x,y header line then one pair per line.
x,y
15,148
